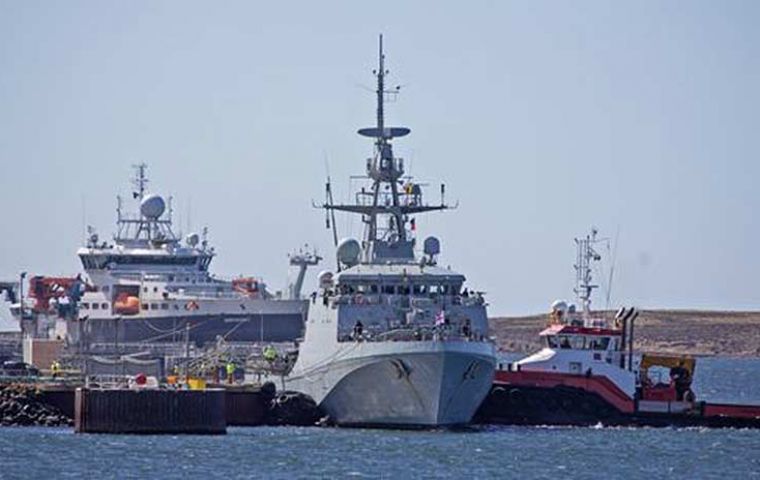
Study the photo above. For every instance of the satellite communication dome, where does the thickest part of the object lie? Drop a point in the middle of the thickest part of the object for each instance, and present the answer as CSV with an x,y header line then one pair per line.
x,y
348,251
559,306
152,206
325,279
192,239
432,246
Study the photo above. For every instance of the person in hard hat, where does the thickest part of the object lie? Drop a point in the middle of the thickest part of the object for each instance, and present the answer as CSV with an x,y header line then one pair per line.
x,y
270,354
230,371
55,368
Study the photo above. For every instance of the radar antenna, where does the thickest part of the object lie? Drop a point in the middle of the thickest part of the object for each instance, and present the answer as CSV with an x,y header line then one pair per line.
x,y
391,196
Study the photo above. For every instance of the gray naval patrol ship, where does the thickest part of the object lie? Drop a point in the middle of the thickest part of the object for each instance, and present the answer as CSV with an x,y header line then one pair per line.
x,y
393,339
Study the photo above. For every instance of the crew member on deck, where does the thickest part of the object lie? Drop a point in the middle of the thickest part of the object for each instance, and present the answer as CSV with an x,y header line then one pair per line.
x,y
230,372
467,328
55,368
682,380
358,330
270,354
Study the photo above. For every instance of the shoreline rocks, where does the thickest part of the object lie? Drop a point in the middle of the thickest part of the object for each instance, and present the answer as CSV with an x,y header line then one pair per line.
x,y
22,405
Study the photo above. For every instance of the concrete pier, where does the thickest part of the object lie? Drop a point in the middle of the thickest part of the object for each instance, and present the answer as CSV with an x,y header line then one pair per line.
x,y
150,411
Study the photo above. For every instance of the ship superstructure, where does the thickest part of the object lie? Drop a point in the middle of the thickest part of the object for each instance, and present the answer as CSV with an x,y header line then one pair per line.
x,y
578,341
148,285
589,374
393,339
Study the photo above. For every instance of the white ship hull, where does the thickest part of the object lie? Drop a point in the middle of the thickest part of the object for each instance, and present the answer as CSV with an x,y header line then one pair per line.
x,y
401,384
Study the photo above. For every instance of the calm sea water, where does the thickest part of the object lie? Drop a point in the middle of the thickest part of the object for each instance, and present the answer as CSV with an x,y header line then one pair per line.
x,y
487,451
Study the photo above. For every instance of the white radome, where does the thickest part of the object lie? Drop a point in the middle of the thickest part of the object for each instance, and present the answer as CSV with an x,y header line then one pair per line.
x,y
349,251
152,206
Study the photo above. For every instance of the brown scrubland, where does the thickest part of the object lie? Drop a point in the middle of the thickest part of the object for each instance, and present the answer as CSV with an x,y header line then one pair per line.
x,y
667,331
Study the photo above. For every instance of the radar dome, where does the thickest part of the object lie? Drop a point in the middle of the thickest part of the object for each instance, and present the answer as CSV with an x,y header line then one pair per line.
x,y
432,246
559,306
348,251
325,279
192,239
152,206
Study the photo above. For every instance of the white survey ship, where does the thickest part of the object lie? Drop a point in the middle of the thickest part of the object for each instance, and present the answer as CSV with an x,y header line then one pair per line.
x,y
150,286
392,339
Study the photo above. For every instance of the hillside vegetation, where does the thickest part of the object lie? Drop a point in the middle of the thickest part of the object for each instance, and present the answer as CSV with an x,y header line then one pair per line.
x,y
672,331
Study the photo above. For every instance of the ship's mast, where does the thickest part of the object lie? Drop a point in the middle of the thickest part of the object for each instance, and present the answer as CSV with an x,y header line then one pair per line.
x,y
380,73
583,279
384,200
132,229
140,181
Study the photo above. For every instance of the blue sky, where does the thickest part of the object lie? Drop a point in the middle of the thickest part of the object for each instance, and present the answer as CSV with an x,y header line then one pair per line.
x,y
543,118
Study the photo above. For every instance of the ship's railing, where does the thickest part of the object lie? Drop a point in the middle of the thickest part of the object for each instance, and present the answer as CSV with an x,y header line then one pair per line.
x,y
405,301
413,334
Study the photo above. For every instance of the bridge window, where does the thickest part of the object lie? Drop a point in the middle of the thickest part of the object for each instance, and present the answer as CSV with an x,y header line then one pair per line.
x,y
600,343
578,342
551,341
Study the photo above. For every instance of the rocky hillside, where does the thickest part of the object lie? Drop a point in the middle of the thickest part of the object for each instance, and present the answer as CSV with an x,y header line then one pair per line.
x,y
673,331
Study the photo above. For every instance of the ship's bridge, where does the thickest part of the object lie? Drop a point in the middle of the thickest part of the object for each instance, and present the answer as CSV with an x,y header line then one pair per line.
x,y
578,337
119,258
400,279
402,302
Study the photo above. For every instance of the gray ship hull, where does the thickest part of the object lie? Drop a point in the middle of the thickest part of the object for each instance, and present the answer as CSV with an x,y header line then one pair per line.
x,y
442,385
281,324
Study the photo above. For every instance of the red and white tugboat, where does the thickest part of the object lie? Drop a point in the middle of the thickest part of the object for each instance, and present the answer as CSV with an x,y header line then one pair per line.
x,y
587,373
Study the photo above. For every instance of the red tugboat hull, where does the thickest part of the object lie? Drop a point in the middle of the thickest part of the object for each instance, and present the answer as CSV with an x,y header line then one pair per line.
x,y
547,398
